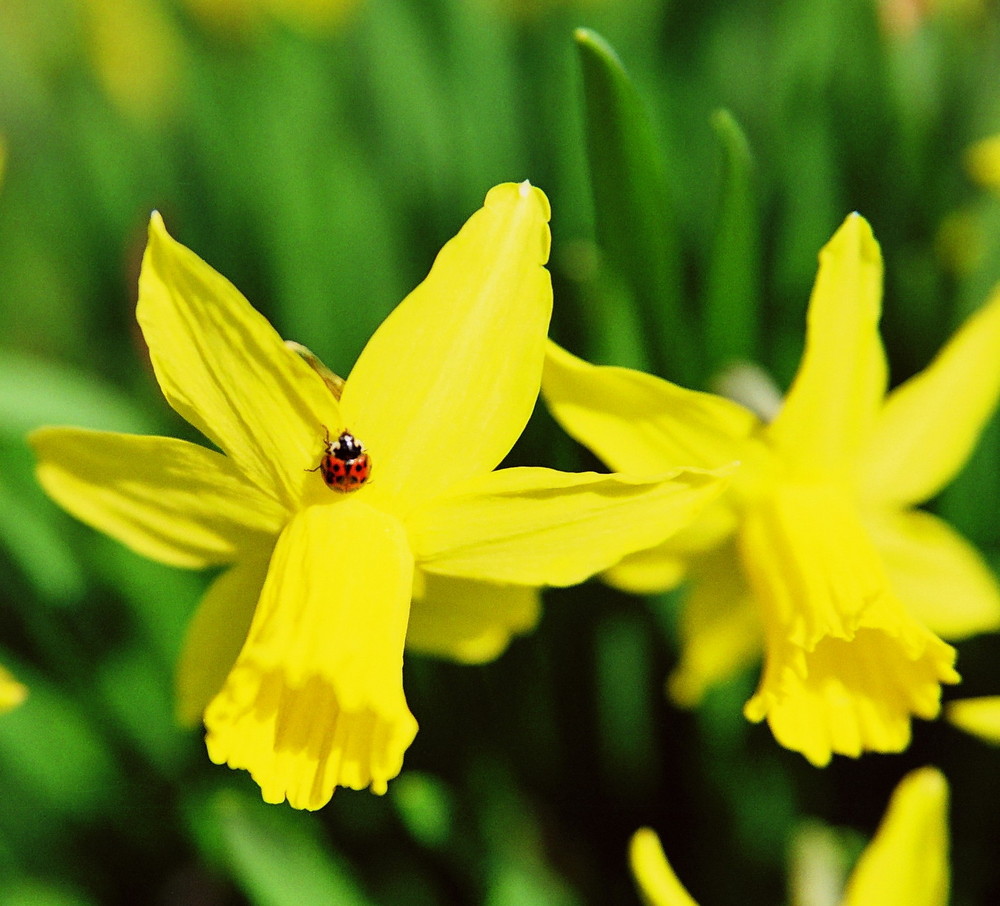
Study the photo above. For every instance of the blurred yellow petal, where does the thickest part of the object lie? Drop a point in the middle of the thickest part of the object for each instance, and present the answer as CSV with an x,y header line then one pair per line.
x,y
939,577
541,527
663,567
168,499
216,634
841,379
656,880
849,696
982,160
635,422
448,381
720,631
468,621
906,863
138,55
12,693
979,716
315,699
647,572
225,369
931,423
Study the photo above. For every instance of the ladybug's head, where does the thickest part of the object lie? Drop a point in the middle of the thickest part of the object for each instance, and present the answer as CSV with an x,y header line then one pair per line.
x,y
347,447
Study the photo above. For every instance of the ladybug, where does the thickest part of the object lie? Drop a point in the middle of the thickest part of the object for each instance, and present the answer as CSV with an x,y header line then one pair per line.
x,y
345,465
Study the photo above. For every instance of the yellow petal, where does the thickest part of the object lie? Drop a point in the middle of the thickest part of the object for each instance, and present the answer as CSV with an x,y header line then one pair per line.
x,y
647,572
656,880
635,422
225,369
938,576
216,634
448,381
841,379
931,423
663,567
979,716
468,621
541,527
167,499
982,160
12,693
720,628
907,862
315,699
849,696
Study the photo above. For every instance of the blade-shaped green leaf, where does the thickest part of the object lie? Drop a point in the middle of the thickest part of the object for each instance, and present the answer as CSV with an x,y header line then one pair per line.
x,y
732,289
633,210
276,856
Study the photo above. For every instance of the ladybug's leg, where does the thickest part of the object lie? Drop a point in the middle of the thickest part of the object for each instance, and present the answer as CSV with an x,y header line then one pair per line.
x,y
326,440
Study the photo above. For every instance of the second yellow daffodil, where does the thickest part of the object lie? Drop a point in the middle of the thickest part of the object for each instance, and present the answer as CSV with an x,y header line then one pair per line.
x,y
906,864
816,553
295,655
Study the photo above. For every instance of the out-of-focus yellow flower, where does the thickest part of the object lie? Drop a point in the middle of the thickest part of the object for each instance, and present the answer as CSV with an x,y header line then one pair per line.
x,y
816,553
979,716
903,18
245,16
982,160
12,693
906,864
137,53
297,648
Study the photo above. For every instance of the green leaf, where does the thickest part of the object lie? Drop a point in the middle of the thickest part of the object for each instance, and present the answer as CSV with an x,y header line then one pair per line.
x,y
732,291
276,856
426,806
34,392
633,209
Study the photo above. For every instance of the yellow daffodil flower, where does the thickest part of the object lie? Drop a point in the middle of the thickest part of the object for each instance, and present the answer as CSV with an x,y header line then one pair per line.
x,y
816,553
906,864
295,656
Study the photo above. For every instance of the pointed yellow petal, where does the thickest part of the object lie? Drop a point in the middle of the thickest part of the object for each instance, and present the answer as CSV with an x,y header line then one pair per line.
x,y
167,499
225,369
315,699
468,621
720,628
931,423
12,693
938,576
841,379
635,422
656,880
907,862
453,373
216,634
541,527
979,716
849,696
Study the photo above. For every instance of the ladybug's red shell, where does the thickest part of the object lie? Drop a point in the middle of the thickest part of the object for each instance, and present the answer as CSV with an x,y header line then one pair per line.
x,y
345,465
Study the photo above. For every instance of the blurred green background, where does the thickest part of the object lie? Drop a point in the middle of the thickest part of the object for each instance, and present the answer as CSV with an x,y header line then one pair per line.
x,y
318,153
